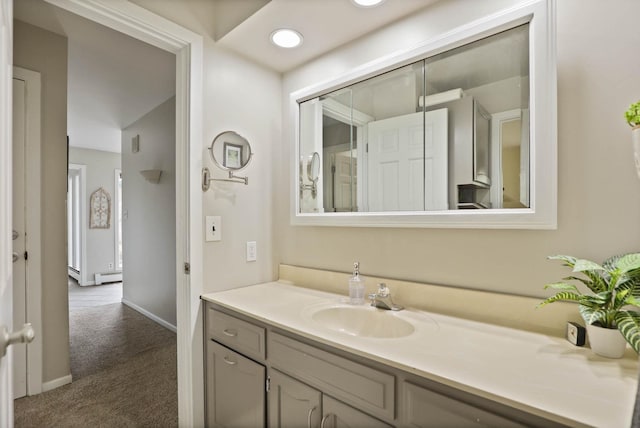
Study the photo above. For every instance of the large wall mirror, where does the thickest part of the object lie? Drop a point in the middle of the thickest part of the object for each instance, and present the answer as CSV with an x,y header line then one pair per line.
x,y
457,133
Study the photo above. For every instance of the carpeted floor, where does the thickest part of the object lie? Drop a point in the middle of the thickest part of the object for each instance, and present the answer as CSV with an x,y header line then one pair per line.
x,y
124,375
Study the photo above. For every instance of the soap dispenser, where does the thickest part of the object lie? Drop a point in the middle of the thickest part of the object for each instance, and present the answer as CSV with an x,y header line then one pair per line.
x,y
356,286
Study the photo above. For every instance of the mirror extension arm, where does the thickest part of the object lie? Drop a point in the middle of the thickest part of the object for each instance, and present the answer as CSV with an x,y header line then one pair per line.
x,y
206,179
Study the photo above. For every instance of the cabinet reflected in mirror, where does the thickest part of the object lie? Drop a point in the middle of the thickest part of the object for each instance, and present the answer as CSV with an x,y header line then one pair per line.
x,y
446,132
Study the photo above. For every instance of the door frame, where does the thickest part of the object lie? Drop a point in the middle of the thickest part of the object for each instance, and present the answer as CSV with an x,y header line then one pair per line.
x,y
117,205
33,242
6,265
82,278
141,24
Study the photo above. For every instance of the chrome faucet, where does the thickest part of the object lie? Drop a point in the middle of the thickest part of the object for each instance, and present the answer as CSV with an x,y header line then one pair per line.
x,y
382,299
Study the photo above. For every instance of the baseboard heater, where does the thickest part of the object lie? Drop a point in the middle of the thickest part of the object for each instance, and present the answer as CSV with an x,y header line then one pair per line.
x,y
74,273
102,278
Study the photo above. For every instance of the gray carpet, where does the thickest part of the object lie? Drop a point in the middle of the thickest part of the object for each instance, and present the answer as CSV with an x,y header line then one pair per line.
x,y
124,372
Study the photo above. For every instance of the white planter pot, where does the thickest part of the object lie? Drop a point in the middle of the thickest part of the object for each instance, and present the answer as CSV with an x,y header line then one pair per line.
x,y
635,137
606,342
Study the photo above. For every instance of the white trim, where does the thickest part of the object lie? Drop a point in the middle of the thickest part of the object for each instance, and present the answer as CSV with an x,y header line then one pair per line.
x,y
56,383
149,315
542,214
117,229
141,24
33,220
6,146
83,280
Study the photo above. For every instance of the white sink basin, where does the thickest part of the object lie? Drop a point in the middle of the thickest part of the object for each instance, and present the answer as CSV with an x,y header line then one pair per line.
x,y
363,321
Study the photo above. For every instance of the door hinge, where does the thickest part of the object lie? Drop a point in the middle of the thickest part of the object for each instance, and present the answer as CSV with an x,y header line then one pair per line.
x,y
187,268
268,384
26,255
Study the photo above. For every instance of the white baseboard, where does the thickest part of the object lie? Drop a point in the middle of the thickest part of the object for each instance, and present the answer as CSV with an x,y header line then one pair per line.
x,y
149,315
56,383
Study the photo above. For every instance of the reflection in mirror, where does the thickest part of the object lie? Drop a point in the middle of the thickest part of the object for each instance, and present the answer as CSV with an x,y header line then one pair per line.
x,y
230,151
313,167
446,132
313,174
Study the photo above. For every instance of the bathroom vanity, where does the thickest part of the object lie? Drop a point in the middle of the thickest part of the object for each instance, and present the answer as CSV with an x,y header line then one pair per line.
x,y
280,355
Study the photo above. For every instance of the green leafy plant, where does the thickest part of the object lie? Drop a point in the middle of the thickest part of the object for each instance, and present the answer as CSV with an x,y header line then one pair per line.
x,y
632,115
615,290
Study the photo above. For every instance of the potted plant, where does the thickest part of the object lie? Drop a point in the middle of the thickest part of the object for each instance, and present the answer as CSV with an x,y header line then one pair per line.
x,y
632,115
608,308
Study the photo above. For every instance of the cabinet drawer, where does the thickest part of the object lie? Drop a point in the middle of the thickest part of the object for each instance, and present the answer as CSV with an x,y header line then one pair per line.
x,y
425,408
365,388
238,334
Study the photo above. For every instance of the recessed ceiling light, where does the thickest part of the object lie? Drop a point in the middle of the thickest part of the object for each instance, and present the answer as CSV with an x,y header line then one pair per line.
x,y
286,38
367,3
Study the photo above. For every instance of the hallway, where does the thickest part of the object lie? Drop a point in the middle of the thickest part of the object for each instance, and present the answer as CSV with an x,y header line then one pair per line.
x,y
123,367
93,295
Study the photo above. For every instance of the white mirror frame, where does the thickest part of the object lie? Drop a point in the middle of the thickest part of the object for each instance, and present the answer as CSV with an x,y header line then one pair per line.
x,y
542,214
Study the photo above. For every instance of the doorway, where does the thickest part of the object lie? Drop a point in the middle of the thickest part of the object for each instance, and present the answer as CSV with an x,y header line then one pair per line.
x,y
188,47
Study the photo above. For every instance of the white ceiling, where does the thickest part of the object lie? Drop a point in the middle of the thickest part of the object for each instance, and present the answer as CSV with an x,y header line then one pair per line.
x,y
114,79
324,24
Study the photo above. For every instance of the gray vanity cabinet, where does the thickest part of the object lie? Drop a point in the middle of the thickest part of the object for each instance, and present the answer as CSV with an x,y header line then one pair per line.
x,y
235,389
316,386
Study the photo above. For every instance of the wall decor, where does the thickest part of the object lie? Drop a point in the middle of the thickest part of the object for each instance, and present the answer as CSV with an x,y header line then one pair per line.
x,y
232,155
100,209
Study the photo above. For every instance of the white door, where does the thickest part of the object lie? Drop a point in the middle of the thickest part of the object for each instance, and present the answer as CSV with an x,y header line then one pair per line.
x,y
6,299
344,168
19,236
407,161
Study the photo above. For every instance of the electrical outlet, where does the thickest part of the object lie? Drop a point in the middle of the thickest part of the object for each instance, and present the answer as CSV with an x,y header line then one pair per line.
x,y
110,266
213,228
252,251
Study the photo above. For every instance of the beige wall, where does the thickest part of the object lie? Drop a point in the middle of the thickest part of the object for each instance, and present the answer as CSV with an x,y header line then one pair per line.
x,y
46,52
149,214
599,193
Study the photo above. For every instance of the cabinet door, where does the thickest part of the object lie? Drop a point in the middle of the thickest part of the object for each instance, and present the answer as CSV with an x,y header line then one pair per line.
x,y
235,389
293,404
339,415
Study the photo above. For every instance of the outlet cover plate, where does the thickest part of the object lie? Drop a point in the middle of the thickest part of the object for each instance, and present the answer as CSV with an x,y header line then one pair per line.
x,y
252,251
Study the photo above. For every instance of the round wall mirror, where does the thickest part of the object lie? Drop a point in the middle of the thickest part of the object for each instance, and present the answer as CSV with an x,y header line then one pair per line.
x,y
313,167
230,151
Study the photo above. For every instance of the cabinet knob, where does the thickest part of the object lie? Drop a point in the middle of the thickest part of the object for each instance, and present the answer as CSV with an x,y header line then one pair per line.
x,y
325,419
309,416
230,333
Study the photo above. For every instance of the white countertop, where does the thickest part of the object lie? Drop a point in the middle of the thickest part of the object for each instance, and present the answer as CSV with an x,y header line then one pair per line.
x,y
539,374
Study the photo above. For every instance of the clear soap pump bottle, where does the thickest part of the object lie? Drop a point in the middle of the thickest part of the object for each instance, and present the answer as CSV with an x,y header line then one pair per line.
x,y
356,286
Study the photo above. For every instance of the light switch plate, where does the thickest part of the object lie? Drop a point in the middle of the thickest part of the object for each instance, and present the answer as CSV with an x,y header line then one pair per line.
x,y
213,228
252,251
